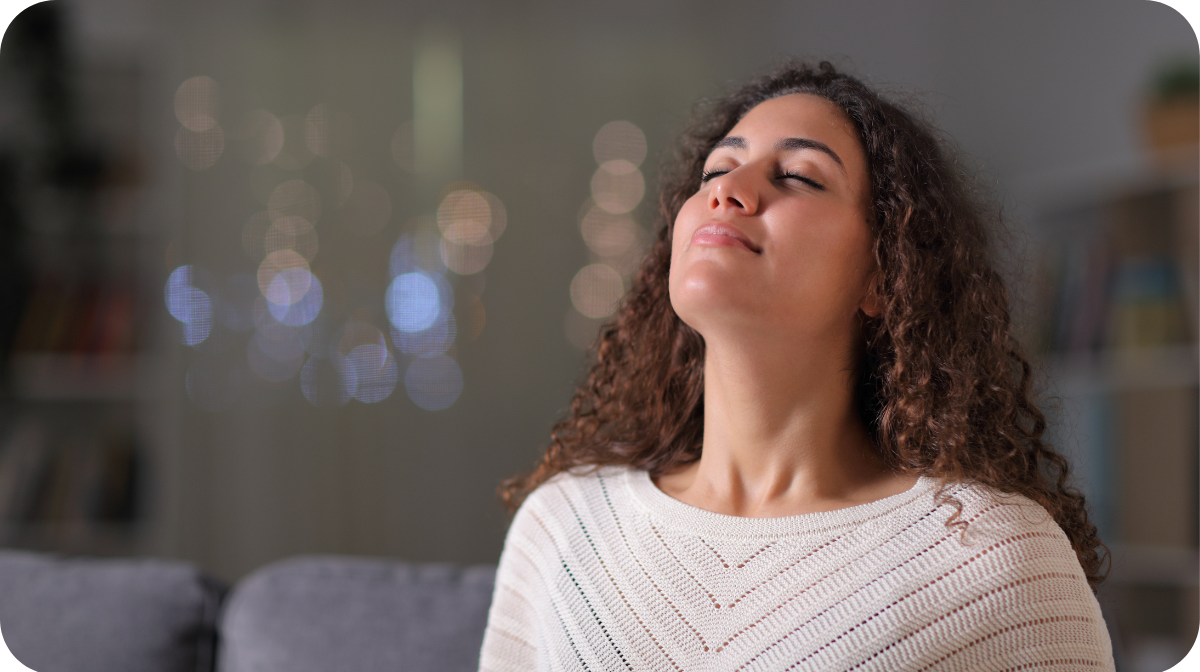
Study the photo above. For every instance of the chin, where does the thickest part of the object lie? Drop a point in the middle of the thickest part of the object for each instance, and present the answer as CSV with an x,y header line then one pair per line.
x,y
702,297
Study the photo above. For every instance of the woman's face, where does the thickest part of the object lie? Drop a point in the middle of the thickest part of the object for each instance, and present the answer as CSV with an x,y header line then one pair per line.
x,y
776,241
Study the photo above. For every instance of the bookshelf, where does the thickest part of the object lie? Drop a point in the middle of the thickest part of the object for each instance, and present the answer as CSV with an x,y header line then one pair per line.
x,y
1113,322
69,461
73,464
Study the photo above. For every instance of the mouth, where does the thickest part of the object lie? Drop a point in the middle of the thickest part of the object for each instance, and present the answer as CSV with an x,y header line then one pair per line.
x,y
720,234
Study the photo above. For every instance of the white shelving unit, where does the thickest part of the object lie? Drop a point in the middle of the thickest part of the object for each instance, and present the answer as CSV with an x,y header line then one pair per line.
x,y
1127,413
72,457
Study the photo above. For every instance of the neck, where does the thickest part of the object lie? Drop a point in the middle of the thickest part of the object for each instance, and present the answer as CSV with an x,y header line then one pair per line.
x,y
781,434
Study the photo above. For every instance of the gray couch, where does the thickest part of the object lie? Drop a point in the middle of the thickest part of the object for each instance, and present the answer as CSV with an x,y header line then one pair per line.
x,y
306,614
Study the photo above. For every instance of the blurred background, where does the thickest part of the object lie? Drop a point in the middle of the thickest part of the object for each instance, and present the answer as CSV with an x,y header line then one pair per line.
x,y
305,277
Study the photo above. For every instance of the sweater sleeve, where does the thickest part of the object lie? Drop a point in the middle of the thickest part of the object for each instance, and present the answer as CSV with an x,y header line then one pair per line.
x,y
510,639
1032,607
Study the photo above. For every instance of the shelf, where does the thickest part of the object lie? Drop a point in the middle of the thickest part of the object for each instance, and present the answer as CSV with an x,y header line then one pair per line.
x,y
1124,370
74,377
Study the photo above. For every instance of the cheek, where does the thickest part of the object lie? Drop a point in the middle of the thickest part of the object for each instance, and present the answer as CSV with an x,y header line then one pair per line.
x,y
831,263
864,245
858,265
684,222
688,212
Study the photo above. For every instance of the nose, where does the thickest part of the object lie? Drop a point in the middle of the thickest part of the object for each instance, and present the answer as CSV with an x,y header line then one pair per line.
x,y
734,190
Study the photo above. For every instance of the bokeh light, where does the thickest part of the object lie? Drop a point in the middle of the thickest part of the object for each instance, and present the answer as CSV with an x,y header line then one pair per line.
x,y
196,103
608,230
499,216
295,198
427,246
403,258
464,217
471,216
368,369
434,340
288,286
296,172
353,334
367,210
617,186
295,297
199,150
619,140
420,250
189,304
606,234
373,371
275,263
596,290
470,220
433,383
413,302
260,136
291,233
465,259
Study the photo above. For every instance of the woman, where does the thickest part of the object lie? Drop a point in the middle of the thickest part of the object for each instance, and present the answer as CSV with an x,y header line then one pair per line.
x,y
807,441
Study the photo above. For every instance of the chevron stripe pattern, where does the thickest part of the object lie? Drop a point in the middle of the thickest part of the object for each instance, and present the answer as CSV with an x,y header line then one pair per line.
x,y
601,570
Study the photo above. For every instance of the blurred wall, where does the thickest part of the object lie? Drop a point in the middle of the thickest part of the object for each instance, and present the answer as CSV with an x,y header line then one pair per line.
x,y
1027,89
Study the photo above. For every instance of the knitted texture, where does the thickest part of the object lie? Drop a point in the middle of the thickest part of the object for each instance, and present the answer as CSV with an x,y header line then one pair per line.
x,y
604,571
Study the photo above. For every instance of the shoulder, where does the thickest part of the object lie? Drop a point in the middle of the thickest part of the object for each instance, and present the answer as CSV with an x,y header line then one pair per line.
x,y
585,481
1002,518
1012,576
1010,539
574,495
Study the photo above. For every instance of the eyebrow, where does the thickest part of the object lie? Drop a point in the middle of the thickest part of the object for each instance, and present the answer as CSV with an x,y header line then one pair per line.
x,y
786,144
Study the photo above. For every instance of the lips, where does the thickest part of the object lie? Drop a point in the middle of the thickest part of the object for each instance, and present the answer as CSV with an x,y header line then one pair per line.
x,y
721,234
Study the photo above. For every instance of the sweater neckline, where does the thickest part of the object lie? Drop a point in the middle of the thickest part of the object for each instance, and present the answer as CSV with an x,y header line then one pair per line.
x,y
695,520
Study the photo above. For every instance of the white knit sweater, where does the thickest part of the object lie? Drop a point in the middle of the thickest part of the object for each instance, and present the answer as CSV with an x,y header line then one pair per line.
x,y
604,571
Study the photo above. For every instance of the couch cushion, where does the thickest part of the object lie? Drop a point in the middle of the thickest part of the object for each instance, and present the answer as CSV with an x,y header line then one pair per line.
x,y
323,614
91,615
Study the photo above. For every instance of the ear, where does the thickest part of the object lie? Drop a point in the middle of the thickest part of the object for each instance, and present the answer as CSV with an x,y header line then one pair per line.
x,y
872,303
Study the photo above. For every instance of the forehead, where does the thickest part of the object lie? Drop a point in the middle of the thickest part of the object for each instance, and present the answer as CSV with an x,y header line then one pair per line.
x,y
800,115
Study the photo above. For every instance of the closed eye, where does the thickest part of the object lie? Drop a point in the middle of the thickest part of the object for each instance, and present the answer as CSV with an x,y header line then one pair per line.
x,y
710,174
810,182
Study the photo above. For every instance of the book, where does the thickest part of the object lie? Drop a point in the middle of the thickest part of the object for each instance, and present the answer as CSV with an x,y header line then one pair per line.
x,y
1146,302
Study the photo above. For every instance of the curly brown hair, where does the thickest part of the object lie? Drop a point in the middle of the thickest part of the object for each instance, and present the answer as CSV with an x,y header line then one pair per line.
x,y
942,384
